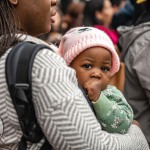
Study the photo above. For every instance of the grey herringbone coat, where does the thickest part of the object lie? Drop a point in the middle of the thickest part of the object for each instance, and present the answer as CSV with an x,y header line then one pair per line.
x,y
63,113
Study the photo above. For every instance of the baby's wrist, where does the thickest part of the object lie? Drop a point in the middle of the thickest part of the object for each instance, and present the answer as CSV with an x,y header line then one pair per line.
x,y
96,99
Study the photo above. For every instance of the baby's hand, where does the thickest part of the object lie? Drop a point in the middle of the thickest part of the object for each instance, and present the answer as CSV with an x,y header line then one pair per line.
x,y
93,89
136,123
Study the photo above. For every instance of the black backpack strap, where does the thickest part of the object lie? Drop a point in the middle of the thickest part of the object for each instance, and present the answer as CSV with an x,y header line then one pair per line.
x,y
19,79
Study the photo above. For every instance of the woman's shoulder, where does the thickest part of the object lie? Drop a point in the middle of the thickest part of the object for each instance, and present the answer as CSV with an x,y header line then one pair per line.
x,y
48,53
28,38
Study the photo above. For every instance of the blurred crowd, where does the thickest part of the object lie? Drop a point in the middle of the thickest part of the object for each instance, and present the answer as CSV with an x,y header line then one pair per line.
x,y
106,15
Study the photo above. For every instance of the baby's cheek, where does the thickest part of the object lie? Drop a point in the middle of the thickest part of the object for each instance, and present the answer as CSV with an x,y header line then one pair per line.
x,y
105,83
80,82
82,78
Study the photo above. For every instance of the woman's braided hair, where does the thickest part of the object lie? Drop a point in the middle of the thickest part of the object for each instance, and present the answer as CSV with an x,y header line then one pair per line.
x,y
8,26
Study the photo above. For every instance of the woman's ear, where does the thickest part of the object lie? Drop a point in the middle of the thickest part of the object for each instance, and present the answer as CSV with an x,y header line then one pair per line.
x,y
13,2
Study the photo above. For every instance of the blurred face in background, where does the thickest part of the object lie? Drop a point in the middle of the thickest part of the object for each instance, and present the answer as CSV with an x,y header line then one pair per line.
x,y
74,15
105,15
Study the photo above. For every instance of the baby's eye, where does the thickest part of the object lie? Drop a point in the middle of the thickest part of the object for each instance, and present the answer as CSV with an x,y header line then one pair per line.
x,y
105,69
87,66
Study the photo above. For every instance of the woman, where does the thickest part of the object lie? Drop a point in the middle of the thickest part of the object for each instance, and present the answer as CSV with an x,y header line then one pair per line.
x,y
61,109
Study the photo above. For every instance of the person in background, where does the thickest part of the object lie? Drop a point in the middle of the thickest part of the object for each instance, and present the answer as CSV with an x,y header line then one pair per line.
x,y
89,12
61,109
124,15
118,4
104,13
138,10
64,4
93,56
135,44
73,16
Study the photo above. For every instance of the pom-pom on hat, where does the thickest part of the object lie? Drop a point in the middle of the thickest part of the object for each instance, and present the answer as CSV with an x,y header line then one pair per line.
x,y
79,39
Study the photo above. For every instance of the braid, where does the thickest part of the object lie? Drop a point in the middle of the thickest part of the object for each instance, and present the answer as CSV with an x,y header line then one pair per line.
x,y
8,26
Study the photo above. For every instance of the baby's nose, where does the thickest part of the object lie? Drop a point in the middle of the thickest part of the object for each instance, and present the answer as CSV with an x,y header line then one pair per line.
x,y
96,75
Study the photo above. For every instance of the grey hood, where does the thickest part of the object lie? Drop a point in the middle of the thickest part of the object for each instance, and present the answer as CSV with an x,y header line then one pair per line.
x,y
129,34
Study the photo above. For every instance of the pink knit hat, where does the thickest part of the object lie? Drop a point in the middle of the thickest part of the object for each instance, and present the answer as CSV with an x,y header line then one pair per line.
x,y
79,39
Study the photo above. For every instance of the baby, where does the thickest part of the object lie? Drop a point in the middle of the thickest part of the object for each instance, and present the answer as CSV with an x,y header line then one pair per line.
x,y
92,54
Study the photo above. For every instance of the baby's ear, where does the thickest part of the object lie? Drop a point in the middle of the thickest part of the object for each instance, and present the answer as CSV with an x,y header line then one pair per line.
x,y
13,2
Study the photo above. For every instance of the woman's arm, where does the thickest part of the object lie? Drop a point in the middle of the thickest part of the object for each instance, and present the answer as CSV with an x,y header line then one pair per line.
x,y
65,116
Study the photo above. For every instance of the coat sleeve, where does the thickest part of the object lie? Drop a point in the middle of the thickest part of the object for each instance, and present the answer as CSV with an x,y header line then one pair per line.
x,y
64,114
141,66
113,111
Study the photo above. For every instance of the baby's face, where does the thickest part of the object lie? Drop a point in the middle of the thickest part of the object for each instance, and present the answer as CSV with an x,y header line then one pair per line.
x,y
93,63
